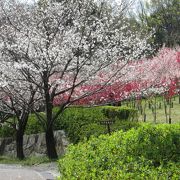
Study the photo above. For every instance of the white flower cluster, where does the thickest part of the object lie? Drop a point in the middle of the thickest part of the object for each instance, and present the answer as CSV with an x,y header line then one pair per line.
x,y
59,47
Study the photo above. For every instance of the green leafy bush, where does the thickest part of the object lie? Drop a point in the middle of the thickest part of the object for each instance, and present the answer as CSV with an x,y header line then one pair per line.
x,y
81,122
123,112
33,125
126,155
89,130
160,143
6,130
77,120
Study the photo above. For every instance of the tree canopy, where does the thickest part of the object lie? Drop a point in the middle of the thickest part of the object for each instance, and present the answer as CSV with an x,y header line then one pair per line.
x,y
164,17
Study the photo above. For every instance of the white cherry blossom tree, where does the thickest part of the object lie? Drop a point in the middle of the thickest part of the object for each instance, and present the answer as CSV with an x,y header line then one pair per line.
x,y
17,99
62,47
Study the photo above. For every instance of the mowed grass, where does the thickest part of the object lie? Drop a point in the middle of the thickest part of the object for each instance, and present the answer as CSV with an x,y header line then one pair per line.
x,y
29,161
160,111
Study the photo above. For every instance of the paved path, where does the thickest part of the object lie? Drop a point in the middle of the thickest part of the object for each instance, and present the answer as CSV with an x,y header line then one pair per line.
x,y
18,172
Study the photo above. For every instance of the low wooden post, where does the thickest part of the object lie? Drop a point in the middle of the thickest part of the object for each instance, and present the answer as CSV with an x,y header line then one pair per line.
x,y
170,121
107,123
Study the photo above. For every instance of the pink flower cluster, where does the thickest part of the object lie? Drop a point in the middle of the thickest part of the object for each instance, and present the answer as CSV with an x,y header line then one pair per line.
x,y
146,77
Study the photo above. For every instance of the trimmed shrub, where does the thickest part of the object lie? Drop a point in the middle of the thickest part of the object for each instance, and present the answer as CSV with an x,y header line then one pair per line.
x,y
125,155
77,120
160,143
90,129
81,122
122,113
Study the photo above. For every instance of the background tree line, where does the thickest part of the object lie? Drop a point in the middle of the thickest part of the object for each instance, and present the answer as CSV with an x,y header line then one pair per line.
x,y
164,17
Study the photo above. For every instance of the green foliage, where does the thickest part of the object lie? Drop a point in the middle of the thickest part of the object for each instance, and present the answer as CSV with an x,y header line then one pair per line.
x,y
149,152
163,16
122,113
75,121
160,143
81,122
33,125
6,130
89,130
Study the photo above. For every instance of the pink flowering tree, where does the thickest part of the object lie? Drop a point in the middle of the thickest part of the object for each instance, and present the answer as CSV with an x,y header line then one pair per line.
x,y
63,48
145,78
148,78
159,76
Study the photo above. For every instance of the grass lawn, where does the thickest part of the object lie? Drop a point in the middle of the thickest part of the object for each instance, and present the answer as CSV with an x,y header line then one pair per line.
x,y
29,161
160,112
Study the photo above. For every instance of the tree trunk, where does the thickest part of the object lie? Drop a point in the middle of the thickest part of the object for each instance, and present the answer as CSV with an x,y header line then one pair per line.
x,y
50,141
144,112
170,112
19,144
165,110
51,144
20,133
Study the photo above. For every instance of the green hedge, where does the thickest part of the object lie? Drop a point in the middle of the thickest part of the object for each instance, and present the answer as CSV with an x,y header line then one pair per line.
x,y
149,152
74,120
125,113
81,122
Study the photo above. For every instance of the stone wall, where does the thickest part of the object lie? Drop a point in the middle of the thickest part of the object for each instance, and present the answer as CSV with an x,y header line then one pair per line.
x,y
34,144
